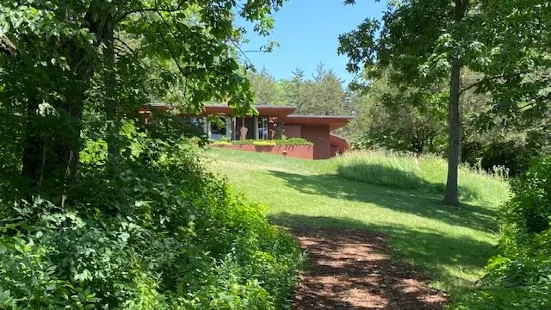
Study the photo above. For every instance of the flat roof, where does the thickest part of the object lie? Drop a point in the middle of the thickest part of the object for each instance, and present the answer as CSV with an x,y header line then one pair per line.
x,y
264,110
334,121
284,113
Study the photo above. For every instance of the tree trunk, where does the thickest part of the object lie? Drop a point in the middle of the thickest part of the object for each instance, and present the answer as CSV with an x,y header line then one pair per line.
x,y
50,158
50,155
32,148
111,104
452,195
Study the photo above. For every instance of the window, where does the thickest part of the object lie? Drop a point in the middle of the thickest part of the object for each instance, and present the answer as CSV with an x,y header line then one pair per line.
x,y
263,128
218,128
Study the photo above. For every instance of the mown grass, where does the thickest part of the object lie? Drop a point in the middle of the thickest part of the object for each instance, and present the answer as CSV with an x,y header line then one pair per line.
x,y
452,244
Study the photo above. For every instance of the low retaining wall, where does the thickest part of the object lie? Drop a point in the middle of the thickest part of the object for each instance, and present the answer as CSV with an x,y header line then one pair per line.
x,y
297,151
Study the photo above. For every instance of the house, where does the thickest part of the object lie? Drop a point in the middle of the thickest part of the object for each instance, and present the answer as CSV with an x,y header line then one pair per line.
x,y
271,122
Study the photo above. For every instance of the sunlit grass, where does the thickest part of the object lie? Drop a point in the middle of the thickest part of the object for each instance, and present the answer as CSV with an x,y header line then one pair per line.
x,y
452,244
425,173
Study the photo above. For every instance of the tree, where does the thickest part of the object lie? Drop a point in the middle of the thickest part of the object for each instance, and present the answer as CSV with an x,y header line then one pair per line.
x,y
385,119
323,95
74,57
265,88
292,88
505,43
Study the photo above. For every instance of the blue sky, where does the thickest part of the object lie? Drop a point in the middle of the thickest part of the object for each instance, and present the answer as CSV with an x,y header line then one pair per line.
x,y
307,31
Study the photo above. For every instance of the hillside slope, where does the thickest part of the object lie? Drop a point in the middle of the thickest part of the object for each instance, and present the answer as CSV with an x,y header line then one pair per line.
x,y
451,244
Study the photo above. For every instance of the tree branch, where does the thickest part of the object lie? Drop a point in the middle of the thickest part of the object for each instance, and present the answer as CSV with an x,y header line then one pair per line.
x,y
492,78
145,10
168,45
6,46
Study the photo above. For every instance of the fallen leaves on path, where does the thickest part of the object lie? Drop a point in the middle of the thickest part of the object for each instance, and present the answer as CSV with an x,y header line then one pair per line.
x,y
351,269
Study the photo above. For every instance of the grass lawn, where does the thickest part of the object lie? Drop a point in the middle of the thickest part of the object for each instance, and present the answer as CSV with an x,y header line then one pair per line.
x,y
451,244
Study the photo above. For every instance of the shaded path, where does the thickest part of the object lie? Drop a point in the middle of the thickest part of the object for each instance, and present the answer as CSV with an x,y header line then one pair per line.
x,y
351,269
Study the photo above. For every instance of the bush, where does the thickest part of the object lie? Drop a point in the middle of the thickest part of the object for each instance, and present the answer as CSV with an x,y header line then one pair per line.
x,y
221,143
293,141
264,143
520,276
288,141
154,230
514,151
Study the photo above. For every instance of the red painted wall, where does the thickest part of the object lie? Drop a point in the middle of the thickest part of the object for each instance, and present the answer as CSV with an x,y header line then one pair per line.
x,y
297,151
319,135
334,151
293,131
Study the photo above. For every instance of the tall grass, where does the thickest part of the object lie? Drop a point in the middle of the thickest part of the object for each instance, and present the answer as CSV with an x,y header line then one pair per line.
x,y
426,173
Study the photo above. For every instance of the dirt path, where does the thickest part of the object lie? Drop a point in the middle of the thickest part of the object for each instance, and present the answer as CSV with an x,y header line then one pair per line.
x,y
351,269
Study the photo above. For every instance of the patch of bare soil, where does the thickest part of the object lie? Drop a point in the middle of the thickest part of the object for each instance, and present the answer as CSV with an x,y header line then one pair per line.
x,y
351,269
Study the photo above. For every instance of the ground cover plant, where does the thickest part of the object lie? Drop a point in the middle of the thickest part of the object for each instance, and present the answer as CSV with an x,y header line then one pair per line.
x,y
519,276
104,207
159,233
287,141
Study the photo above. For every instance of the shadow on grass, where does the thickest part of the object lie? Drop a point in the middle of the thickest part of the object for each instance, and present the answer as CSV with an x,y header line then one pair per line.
x,y
436,252
351,269
389,176
422,204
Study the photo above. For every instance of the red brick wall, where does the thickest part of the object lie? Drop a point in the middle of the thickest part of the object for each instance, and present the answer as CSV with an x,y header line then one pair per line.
x,y
292,131
319,135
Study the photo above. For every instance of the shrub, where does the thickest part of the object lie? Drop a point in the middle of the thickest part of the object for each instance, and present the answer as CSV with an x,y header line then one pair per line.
x,y
293,141
264,143
221,143
520,276
153,230
288,141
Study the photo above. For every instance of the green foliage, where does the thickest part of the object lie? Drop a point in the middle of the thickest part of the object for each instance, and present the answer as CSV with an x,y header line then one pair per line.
x,y
515,149
154,231
425,173
287,141
110,58
389,118
264,143
323,94
221,142
99,213
504,44
265,88
293,141
519,278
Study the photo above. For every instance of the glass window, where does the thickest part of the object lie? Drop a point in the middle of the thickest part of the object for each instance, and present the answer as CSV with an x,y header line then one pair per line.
x,y
198,122
218,128
263,128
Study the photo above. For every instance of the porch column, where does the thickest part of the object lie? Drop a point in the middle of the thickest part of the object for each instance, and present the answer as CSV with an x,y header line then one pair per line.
x,y
255,126
206,126
228,127
242,131
233,128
